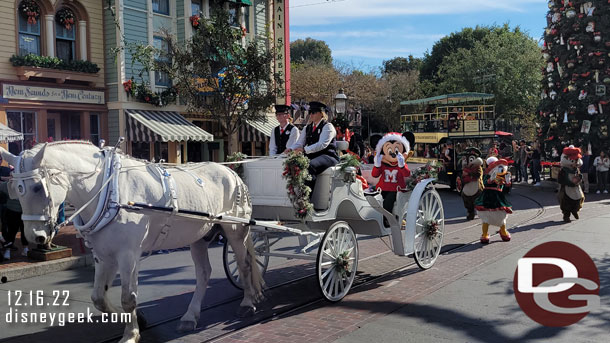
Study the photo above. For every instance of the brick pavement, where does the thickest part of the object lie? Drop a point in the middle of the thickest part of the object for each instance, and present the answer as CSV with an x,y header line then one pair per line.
x,y
323,322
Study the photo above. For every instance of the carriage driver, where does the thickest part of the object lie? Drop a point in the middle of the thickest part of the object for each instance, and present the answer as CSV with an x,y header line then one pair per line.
x,y
285,134
317,142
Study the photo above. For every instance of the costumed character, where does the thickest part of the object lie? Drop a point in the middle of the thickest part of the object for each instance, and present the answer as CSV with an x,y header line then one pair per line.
x,y
285,134
390,165
570,194
492,207
472,179
317,142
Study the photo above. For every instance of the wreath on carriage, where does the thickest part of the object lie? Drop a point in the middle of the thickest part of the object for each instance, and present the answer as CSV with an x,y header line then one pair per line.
x,y
29,9
296,174
65,17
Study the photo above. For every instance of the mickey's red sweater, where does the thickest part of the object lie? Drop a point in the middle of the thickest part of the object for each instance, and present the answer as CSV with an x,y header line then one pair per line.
x,y
392,177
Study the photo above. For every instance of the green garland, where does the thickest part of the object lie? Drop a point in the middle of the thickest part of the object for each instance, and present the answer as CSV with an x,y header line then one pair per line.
x,y
142,92
32,60
237,167
430,170
349,160
295,172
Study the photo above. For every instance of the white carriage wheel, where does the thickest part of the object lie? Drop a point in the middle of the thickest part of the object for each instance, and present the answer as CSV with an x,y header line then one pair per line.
x,y
429,229
337,261
261,245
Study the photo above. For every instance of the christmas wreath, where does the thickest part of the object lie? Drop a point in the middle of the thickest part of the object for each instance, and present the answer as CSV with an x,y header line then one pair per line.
x,y
65,17
30,9
295,172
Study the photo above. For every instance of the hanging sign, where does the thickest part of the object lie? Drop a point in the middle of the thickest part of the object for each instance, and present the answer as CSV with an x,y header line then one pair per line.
x,y
282,49
23,92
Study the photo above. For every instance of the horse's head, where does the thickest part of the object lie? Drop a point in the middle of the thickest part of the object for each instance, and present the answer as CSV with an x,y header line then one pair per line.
x,y
40,191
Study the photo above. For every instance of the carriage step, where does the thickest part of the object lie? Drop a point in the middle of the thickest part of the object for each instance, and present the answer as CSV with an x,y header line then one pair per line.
x,y
41,254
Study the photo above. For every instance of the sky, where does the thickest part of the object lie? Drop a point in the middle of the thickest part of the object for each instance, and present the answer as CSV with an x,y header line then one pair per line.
x,y
364,33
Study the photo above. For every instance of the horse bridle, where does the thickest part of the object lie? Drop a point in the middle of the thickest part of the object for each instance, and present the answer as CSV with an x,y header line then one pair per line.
x,y
17,183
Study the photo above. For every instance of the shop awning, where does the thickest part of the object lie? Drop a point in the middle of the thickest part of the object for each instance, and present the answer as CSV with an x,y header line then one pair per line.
x,y
162,126
257,131
242,2
9,135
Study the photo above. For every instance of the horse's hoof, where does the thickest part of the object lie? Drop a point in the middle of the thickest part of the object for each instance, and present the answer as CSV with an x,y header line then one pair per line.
x,y
186,326
142,323
135,338
246,311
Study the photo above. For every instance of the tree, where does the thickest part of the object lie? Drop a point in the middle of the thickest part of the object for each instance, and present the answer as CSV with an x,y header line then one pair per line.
x,y
314,82
216,75
310,51
505,63
575,102
402,64
448,45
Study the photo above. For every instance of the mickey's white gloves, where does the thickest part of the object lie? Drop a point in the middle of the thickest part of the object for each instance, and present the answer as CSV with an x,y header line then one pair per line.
x,y
378,160
401,160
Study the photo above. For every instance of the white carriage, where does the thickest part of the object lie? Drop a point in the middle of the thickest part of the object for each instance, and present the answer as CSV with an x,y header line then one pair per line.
x,y
342,211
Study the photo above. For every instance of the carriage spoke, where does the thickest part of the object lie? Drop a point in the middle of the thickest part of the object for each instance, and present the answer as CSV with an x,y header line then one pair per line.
x,y
330,279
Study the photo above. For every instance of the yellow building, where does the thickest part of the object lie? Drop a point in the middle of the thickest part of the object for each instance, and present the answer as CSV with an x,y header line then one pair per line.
x,y
52,70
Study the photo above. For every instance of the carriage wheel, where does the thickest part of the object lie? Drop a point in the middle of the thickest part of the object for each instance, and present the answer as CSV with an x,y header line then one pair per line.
x,y
429,229
337,261
261,245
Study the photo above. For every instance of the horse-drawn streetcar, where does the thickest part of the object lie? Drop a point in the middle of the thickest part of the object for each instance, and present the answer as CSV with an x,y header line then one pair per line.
x,y
342,211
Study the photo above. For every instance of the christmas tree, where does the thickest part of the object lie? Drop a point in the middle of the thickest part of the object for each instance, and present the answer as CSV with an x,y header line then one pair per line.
x,y
575,106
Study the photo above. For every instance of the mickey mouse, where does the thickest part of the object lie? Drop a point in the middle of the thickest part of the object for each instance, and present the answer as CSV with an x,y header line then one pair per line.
x,y
391,154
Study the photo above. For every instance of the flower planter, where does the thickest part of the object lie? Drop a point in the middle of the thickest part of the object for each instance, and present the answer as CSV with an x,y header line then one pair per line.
x,y
60,76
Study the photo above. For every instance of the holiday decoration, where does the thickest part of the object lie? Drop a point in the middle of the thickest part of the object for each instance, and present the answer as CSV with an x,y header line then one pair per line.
x,y
30,10
576,53
296,174
143,93
65,17
195,20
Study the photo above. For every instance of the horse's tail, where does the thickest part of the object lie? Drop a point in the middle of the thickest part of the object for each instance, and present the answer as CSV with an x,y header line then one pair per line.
x,y
255,274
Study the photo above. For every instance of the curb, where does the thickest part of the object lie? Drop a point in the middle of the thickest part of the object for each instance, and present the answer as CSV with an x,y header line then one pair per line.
x,y
42,268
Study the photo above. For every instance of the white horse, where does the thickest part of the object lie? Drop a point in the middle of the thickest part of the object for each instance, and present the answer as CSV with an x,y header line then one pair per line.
x,y
72,171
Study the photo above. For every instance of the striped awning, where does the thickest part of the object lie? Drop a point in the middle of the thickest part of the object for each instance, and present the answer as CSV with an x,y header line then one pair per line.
x,y
162,126
9,135
257,131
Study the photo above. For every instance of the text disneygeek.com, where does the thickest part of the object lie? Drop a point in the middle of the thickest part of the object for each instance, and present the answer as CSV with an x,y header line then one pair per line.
x,y
27,307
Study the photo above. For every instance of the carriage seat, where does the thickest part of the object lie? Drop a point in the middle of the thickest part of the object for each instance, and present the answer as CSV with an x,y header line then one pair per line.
x,y
320,198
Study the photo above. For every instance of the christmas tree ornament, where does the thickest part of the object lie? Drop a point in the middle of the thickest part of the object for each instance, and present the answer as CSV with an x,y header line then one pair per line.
x,y
553,95
591,109
550,67
559,70
590,27
565,117
582,95
588,8
597,76
597,37
556,17
570,13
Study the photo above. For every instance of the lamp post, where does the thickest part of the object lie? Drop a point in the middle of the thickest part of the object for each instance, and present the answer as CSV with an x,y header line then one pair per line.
x,y
340,103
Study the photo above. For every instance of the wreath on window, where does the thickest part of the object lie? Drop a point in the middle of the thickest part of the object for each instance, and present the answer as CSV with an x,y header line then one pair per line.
x,y
65,17
30,9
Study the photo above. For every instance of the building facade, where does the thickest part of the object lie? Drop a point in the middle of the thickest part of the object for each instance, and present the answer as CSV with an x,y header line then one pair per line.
x,y
197,138
52,70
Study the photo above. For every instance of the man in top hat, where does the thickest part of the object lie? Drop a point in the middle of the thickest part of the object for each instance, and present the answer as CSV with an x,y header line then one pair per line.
x,y
317,141
285,134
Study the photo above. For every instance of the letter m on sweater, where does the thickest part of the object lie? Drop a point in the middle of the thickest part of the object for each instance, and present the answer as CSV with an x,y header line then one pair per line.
x,y
390,175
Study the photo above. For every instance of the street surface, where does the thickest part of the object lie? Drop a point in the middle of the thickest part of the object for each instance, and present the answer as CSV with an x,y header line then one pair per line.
x,y
467,296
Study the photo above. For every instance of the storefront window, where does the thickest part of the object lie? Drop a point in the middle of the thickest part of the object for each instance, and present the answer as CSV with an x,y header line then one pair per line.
x,y
161,151
195,7
94,128
140,150
246,148
24,122
234,14
160,6
161,77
